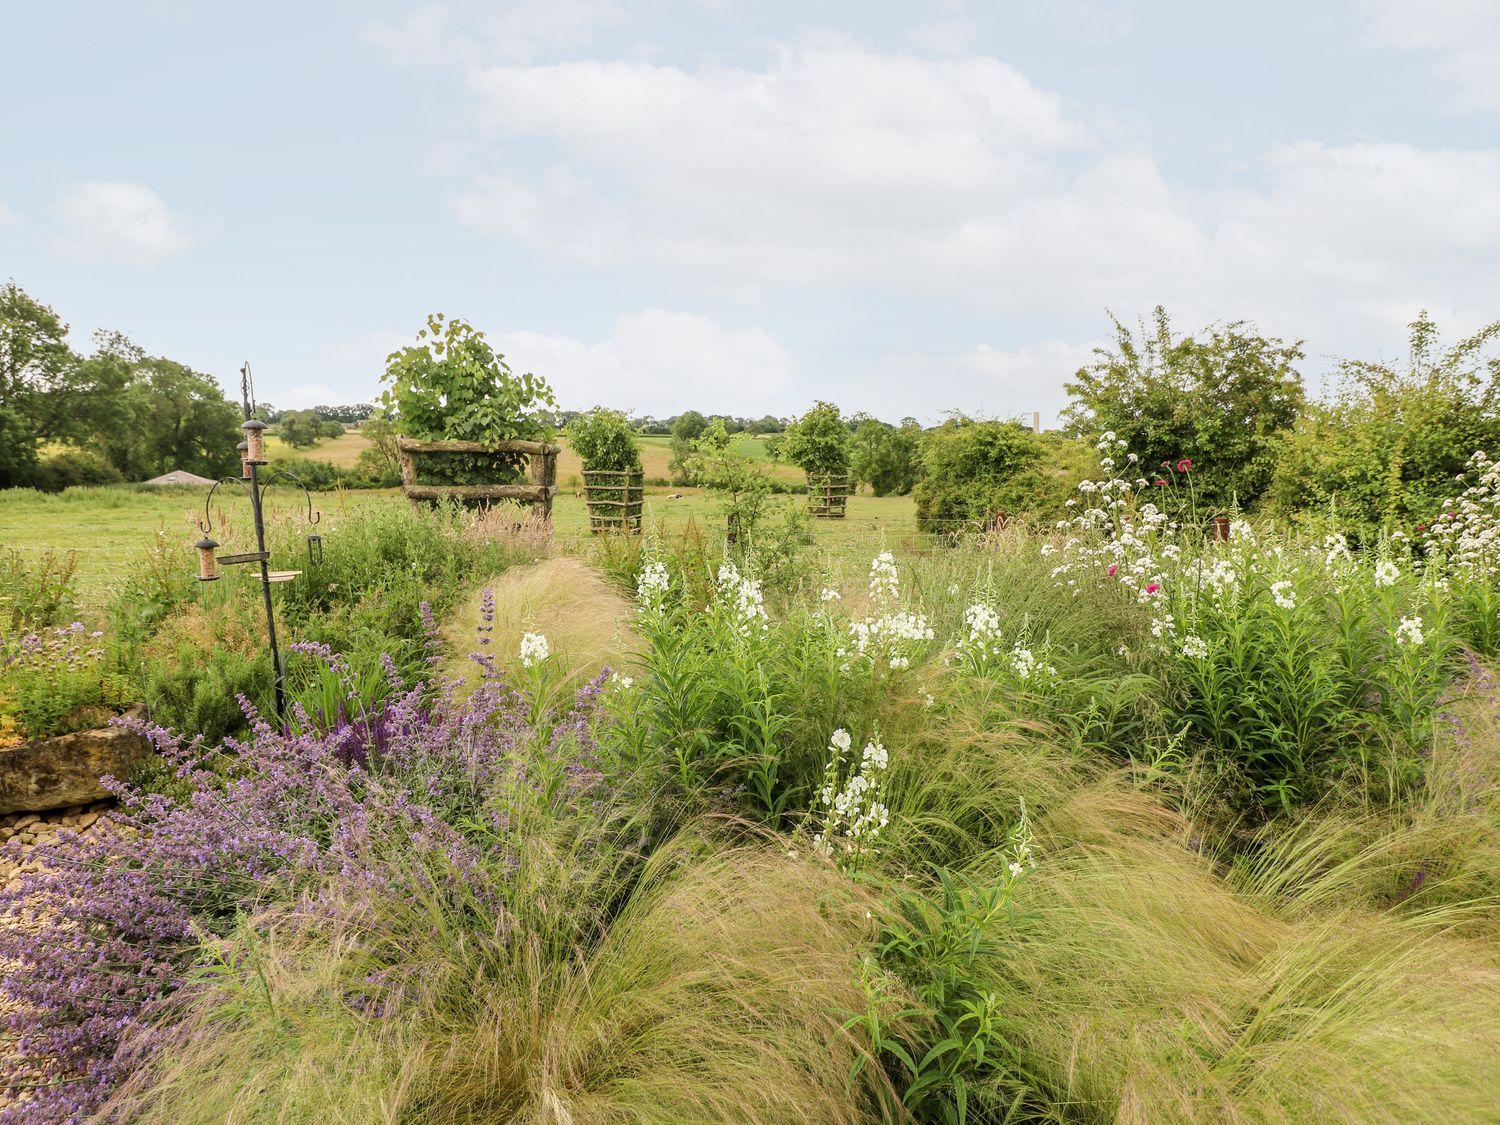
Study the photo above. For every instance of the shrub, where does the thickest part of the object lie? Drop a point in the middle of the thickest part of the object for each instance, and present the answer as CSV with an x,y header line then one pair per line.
x,y
74,467
451,385
604,439
973,470
39,589
1222,399
1382,451
818,442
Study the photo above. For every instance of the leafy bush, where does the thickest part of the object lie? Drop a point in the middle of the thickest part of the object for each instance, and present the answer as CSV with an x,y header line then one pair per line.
x,y
604,439
818,442
973,470
324,476
74,467
1382,451
39,589
1221,399
452,385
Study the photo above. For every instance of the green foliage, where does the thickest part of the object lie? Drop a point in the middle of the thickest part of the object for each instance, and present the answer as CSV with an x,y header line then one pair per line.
x,y
36,589
951,1046
604,439
1383,450
381,461
300,429
451,385
741,483
973,470
70,467
886,457
35,362
1221,399
818,442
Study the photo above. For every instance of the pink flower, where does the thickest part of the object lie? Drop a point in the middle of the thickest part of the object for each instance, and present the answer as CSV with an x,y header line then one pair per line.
x,y
1112,569
1184,465
1151,589
1161,484
1421,527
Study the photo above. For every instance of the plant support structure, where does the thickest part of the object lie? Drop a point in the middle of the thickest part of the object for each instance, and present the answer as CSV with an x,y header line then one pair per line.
x,y
252,458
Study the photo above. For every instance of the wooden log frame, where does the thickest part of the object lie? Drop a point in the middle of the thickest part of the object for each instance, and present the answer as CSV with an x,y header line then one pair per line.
x,y
541,464
615,499
828,495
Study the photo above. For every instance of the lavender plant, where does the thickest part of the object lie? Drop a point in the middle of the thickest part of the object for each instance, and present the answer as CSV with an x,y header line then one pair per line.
x,y
103,935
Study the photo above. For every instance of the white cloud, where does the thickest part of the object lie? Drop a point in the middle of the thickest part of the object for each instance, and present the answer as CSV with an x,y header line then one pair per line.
x,y
115,221
1461,37
1022,380
834,165
655,361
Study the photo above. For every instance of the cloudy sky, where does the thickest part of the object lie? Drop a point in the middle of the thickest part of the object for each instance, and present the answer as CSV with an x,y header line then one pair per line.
x,y
904,207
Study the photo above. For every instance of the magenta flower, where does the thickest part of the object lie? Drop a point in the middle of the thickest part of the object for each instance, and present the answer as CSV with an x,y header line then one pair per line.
x,y
1184,465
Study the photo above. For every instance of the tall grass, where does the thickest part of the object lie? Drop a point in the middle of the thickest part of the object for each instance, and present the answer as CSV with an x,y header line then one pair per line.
x,y
714,995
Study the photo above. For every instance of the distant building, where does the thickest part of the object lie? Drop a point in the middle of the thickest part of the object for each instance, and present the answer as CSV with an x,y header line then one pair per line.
x,y
177,476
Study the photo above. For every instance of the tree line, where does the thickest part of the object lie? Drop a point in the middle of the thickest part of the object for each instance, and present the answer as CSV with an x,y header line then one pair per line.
x,y
1379,448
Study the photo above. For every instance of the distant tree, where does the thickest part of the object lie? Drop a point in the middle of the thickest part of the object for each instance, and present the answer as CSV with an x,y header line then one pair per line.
x,y
300,428
331,429
687,428
381,460
351,413
818,442
1222,399
188,423
887,457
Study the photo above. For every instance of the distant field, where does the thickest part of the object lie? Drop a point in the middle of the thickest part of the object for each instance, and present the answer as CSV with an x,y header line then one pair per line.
x,y
111,528
342,451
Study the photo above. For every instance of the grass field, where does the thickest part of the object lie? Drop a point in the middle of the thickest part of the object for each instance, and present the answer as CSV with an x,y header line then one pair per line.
x,y
109,528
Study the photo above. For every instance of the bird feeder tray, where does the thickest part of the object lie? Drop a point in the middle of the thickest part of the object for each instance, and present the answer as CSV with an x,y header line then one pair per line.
x,y
250,557
282,575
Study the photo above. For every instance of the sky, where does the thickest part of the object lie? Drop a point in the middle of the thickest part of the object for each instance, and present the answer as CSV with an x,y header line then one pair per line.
x,y
905,208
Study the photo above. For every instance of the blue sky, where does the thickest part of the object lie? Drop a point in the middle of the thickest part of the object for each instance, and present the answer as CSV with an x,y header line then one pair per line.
x,y
906,208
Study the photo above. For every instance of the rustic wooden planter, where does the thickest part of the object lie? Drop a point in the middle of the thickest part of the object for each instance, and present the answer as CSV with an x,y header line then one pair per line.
x,y
828,495
615,499
541,465
53,773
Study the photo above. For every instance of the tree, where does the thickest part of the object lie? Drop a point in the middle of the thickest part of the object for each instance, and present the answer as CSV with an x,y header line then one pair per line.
x,y
190,424
1384,448
818,442
973,470
741,483
1222,399
382,460
300,428
886,457
35,364
687,428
